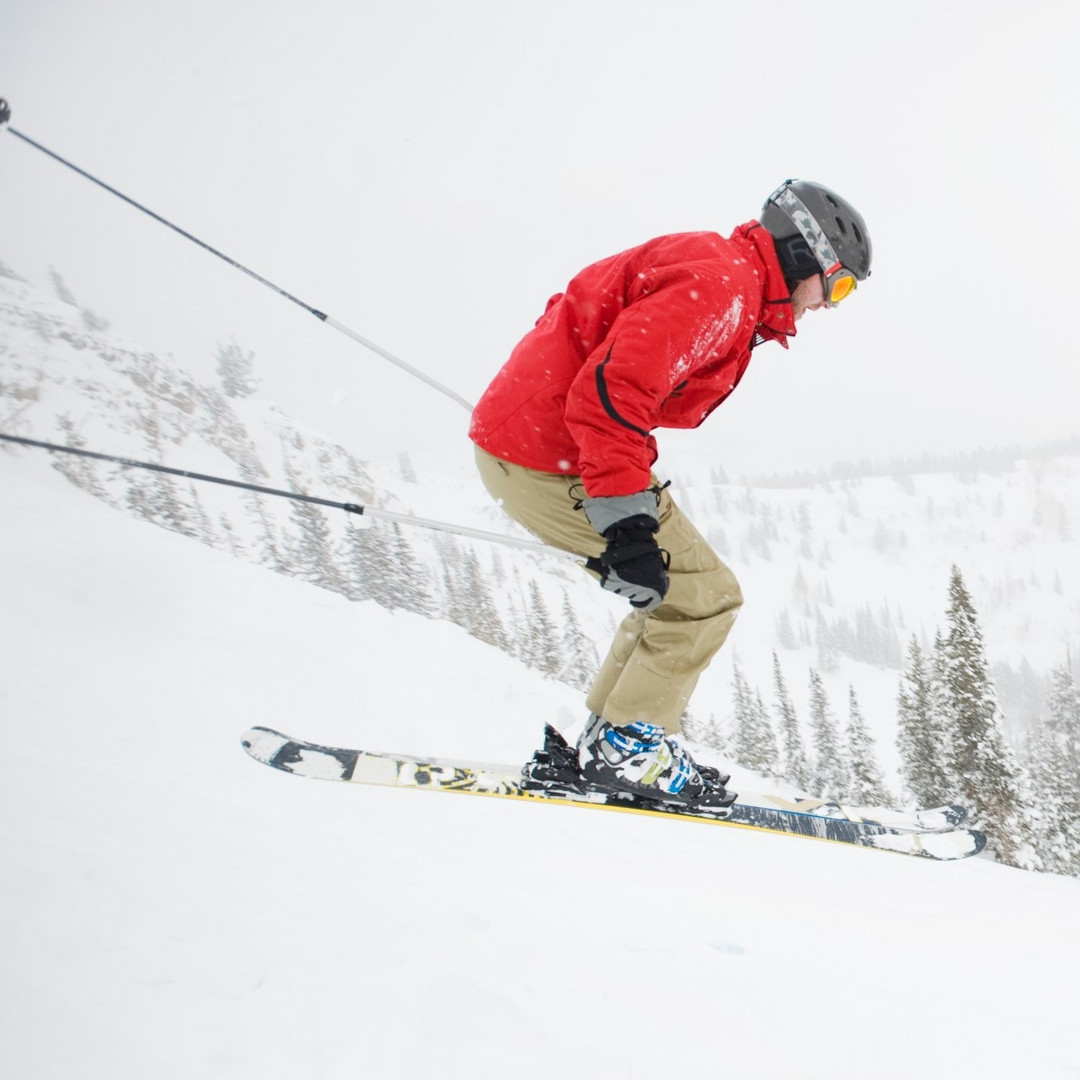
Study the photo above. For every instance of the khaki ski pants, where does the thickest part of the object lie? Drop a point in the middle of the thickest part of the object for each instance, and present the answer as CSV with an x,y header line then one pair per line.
x,y
657,657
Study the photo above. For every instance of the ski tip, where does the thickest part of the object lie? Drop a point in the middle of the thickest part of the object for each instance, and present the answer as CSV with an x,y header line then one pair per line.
x,y
953,844
263,743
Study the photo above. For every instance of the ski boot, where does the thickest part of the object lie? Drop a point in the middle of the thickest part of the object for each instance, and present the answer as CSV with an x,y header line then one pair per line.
x,y
641,760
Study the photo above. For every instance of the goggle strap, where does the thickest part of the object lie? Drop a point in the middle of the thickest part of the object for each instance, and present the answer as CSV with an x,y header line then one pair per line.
x,y
808,226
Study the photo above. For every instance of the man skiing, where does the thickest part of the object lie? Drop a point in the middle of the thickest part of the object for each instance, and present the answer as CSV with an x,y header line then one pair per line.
x,y
654,337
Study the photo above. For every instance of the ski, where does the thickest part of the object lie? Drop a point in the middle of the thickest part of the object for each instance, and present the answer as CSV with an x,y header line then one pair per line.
x,y
935,834
939,819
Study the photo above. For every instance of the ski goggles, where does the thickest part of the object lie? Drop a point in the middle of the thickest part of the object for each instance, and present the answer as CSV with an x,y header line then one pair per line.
x,y
839,281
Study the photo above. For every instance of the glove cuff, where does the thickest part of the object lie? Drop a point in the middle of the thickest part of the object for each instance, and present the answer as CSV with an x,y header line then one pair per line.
x,y
609,510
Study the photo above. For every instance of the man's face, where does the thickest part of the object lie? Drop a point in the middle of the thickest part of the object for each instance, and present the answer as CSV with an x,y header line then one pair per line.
x,y
809,295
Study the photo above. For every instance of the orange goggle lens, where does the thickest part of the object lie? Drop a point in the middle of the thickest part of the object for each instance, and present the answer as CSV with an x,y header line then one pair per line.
x,y
841,286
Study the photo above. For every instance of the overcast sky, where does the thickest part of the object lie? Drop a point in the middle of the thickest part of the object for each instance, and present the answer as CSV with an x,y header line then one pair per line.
x,y
428,174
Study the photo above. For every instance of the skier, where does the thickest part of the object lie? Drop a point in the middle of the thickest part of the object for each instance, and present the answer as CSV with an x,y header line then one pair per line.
x,y
654,337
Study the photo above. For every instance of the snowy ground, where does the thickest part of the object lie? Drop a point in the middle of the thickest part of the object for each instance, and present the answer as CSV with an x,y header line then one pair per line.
x,y
176,910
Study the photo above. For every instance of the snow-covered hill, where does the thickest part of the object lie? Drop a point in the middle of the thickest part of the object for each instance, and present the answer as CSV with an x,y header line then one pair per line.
x,y
175,910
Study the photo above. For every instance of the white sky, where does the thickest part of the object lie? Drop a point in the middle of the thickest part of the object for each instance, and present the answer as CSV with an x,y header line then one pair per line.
x,y
429,174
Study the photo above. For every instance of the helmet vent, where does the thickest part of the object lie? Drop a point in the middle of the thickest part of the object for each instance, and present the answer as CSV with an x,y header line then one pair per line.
x,y
841,226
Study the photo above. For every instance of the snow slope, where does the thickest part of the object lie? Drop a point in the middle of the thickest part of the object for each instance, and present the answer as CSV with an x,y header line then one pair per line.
x,y
175,910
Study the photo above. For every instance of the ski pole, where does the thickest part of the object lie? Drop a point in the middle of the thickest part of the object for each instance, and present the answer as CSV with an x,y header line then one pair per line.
x,y
348,507
5,116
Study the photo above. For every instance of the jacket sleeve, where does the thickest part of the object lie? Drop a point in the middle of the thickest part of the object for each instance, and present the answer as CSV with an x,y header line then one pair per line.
x,y
655,344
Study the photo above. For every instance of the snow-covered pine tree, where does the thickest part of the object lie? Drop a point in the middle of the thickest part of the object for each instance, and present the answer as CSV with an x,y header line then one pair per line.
x,y
311,550
405,468
923,754
826,643
498,571
1055,820
201,522
372,571
236,369
831,772
542,649
1054,760
63,293
867,783
154,495
785,632
581,660
710,732
80,471
1064,707
941,717
450,603
233,543
772,747
984,762
410,580
481,617
266,545
754,739
796,768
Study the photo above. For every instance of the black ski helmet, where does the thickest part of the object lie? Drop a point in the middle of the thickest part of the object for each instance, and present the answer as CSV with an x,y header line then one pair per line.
x,y
815,229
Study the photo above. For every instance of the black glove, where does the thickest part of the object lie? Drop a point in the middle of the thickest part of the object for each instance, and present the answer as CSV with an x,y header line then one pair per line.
x,y
633,565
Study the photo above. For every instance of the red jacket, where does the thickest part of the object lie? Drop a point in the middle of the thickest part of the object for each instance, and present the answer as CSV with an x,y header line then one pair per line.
x,y
655,337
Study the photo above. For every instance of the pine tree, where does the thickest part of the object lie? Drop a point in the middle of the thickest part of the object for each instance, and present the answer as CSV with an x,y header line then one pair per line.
x,y
312,552
582,662
170,509
923,753
405,468
80,471
232,541
453,602
796,769
832,768
203,525
267,547
785,633
235,368
415,589
155,497
826,643
63,293
1056,819
1054,760
982,758
1064,705
710,733
755,741
481,616
943,730
867,783
542,649
371,566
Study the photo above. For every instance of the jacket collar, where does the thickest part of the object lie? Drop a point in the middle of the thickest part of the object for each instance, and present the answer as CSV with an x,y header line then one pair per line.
x,y
776,321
